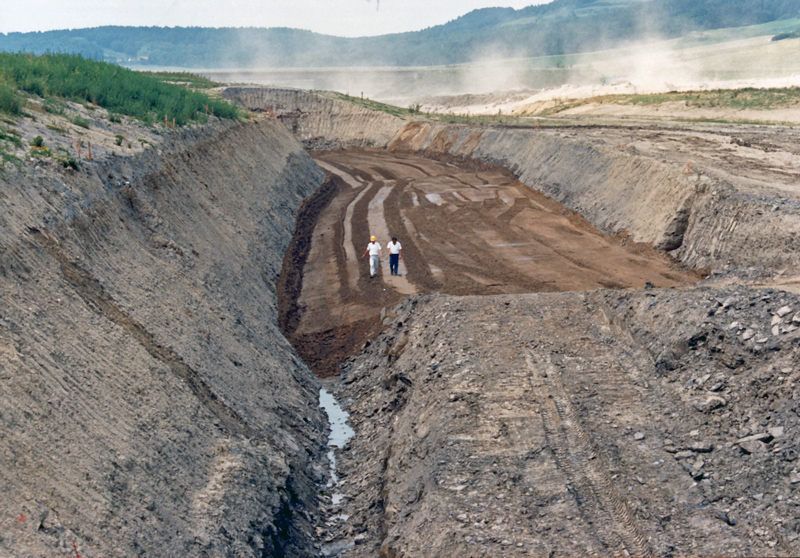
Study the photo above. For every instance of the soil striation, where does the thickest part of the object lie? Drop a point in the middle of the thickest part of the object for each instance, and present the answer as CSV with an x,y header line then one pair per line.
x,y
149,404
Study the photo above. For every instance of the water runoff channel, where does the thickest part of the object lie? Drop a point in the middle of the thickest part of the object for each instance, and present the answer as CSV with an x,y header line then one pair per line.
x,y
340,433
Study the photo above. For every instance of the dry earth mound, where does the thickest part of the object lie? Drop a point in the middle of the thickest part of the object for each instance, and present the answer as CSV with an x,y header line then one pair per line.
x,y
654,422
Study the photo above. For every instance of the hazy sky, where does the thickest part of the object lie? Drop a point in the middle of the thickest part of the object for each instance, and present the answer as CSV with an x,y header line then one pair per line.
x,y
346,18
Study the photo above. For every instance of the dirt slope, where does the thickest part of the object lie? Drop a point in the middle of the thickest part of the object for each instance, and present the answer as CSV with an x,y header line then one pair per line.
x,y
608,423
148,404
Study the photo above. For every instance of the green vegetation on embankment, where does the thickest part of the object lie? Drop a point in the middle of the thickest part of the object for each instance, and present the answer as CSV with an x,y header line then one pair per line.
x,y
748,98
148,98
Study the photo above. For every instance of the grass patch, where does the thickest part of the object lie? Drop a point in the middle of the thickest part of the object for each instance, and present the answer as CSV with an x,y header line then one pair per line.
x,y
748,98
377,106
118,90
8,158
10,136
186,79
80,121
41,152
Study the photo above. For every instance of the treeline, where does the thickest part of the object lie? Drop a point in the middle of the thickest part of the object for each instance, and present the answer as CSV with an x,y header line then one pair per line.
x,y
119,90
560,27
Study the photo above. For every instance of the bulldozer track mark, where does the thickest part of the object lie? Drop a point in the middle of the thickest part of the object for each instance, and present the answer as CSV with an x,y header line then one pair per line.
x,y
466,229
575,454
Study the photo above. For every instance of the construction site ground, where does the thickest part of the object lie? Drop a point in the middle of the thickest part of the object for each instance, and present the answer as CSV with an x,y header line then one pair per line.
x,y
581,394
465,229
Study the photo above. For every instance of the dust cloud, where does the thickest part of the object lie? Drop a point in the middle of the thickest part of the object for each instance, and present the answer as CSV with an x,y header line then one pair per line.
x,y
501,80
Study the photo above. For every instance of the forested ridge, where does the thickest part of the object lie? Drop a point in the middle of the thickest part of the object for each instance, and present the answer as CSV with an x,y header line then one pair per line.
x,y
560,27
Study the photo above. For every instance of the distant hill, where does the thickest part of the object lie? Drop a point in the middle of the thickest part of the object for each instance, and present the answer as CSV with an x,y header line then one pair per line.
x,y
560,27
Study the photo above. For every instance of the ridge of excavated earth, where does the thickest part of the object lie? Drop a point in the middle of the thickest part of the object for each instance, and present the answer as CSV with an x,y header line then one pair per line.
x,y
657,421
149,405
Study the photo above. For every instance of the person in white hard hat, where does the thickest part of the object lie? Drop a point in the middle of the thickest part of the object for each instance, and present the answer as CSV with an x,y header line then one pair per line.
x,y
375,253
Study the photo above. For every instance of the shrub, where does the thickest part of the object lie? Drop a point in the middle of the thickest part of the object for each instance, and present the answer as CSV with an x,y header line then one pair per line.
x,y
118,90
9,100
37,141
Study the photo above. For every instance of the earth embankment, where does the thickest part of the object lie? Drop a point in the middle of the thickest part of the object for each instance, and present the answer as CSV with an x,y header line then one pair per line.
x,y
150,405
609,423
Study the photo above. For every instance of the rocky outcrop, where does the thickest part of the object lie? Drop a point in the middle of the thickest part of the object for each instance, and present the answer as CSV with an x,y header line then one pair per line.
x,y
150,405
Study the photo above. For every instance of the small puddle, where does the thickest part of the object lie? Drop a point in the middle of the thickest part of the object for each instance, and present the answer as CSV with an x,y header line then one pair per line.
x,y
340,433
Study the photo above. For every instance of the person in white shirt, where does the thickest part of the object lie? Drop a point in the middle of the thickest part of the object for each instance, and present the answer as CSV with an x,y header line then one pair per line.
x,y
375,253
395,255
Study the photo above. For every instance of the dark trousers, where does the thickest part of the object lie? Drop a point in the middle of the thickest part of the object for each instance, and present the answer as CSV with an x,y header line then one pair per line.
x,y
394,261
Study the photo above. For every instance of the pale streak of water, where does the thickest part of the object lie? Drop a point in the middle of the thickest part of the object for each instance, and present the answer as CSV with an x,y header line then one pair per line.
x,y
340,434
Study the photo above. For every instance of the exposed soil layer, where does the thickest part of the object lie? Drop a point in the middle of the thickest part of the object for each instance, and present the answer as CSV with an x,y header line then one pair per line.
x,y
465,228
629,421
149,405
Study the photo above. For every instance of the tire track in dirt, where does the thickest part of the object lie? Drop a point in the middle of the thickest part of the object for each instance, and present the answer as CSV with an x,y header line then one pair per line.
x,y
584,466
466,228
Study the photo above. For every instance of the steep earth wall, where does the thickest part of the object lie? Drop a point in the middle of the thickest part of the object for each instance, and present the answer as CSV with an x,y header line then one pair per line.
x,y
319,122
683,191
149,405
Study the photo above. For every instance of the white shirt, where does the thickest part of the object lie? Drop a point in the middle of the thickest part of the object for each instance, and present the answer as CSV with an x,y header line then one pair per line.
x,y
394,247
374,249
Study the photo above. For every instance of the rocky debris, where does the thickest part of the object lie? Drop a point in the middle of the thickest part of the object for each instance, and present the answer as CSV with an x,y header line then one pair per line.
x,y
518,424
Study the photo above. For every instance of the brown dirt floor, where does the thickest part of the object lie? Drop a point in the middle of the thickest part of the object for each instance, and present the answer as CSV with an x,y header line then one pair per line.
x,y
466,229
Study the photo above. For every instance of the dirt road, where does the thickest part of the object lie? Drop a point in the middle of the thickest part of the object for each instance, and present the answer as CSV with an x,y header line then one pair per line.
x,y
465,229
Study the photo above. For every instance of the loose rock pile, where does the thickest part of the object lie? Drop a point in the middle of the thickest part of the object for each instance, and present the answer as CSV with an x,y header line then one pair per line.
x,y
606,422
